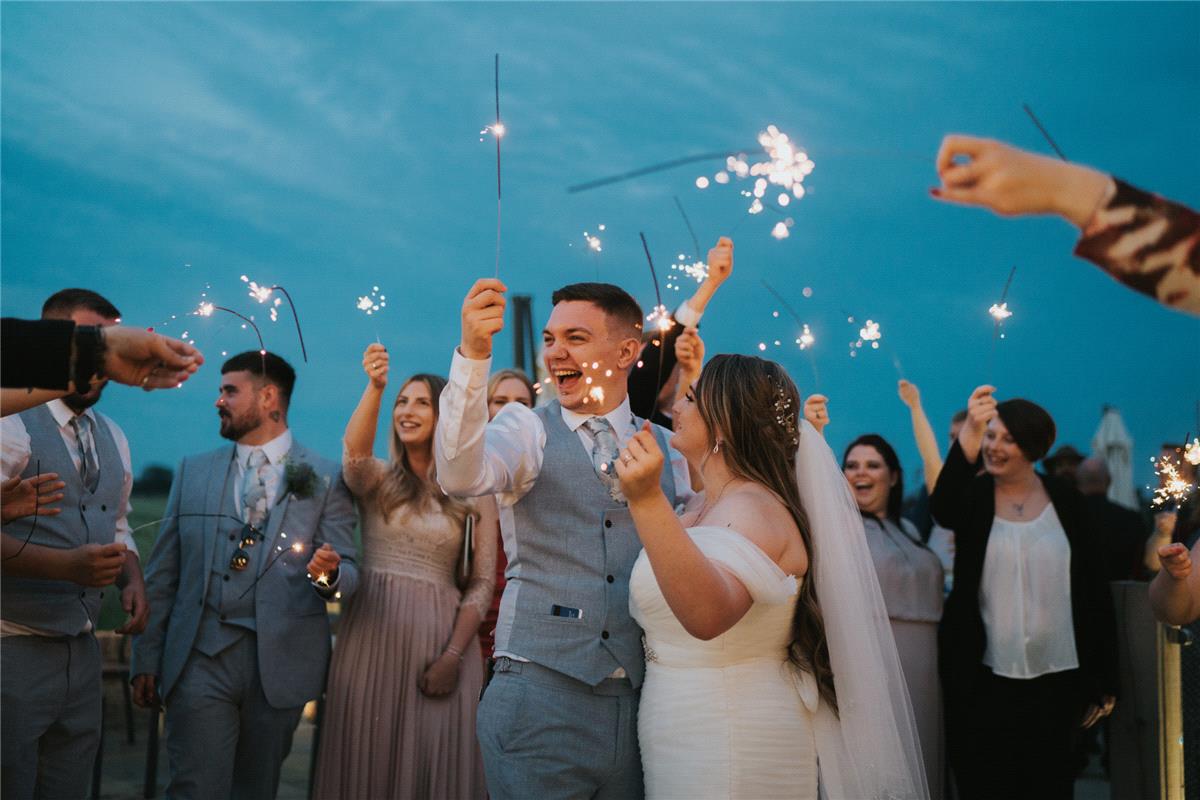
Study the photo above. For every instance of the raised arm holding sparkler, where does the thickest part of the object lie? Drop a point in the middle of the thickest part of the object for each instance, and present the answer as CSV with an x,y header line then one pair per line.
x,y
1147,242
1175,591
931,457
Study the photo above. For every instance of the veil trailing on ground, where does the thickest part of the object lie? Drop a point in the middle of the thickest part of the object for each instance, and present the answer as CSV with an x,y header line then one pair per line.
x,y
869,748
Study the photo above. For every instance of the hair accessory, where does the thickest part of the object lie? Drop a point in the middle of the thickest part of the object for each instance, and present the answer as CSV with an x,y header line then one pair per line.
x,y
785,415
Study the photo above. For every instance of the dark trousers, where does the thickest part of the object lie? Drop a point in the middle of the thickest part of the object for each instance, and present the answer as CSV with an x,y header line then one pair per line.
x,y
1016,738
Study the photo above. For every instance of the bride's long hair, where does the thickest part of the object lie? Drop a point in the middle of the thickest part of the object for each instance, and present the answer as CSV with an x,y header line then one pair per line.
x,y
753,407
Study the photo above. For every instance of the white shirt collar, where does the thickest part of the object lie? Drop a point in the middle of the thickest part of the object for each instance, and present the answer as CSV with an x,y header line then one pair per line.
x,y
63,414
621,418
275,450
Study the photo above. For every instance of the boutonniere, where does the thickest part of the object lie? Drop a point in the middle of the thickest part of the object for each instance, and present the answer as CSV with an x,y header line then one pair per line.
x,y
300,479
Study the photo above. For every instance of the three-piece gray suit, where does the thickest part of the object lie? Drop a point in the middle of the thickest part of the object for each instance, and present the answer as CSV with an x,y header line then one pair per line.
x,y
239,653
563,724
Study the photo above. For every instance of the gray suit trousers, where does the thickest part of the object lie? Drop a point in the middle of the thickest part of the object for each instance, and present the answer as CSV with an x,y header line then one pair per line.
x,y
548,736
51,715
224,740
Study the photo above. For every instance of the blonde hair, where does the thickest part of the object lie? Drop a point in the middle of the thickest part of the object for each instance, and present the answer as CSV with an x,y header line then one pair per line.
x,y
500,376
401,486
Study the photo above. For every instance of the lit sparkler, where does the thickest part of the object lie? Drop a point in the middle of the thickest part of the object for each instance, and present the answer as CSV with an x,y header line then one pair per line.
x,y
206,309
497,130
263,293
999,312
786,166
1173,489
1191,452
371,303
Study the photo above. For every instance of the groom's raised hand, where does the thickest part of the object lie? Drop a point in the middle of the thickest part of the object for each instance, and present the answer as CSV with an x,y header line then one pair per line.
x,y
482,317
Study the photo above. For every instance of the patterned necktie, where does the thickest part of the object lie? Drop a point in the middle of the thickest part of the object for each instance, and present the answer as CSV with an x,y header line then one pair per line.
x,y
89,470
254,489
604,455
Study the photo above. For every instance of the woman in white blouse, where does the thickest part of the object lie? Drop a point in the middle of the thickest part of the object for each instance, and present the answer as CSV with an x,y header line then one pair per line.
x,y
1027,641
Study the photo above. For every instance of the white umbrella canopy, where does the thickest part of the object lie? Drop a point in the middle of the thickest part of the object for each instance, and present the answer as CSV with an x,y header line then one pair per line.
x,y
1113,443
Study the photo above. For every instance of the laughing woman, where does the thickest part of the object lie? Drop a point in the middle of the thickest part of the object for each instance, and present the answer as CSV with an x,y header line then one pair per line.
x,y
406,672
1028,655
910,577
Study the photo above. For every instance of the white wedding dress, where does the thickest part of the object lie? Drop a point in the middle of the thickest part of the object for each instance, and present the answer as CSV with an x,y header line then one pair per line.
x,y
730,717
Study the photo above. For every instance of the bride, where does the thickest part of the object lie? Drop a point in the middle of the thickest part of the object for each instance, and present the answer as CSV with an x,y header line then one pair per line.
x,y
755,688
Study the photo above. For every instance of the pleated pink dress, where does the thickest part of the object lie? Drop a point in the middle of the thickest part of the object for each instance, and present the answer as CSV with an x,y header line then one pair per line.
x,y
380,737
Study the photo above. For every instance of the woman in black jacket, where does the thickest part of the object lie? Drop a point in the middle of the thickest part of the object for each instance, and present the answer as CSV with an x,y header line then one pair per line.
x,y
1027,640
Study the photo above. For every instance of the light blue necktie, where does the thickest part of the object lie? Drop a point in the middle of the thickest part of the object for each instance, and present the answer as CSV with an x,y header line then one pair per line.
x,y
254,489
89,470
605,449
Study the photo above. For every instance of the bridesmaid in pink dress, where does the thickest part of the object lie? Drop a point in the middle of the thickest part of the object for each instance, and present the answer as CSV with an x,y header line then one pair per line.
x,y
406,672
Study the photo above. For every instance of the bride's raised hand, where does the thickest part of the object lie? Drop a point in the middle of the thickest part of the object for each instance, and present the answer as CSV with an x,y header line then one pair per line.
x,y
816,411
375,364
640,466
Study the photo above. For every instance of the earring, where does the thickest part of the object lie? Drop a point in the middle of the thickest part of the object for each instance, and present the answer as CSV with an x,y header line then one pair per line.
x,y
717,446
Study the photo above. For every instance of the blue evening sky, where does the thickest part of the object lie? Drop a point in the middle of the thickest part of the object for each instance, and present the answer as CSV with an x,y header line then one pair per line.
x,y
151,150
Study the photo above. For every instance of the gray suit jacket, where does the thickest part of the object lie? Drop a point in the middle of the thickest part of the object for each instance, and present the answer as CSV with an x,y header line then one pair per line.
x,y
293,630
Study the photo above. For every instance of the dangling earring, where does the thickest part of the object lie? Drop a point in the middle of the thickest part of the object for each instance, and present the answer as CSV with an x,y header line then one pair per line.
x,y
717,447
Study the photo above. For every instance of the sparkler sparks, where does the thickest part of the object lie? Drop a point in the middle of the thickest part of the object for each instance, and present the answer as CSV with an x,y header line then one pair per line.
x,y
1000,312
806,339
786,166
870,333
263,293
1191,452
660,318
593,242
371,303
1173,488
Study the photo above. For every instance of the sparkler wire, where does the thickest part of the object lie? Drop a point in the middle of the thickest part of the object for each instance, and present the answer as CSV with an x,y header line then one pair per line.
x,y
496,131
812,358
296,318
662,338
660,167
688,222
1042,128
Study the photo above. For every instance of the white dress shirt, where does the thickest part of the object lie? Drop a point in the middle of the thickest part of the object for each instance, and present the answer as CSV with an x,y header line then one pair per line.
x,y
15,451
1025,598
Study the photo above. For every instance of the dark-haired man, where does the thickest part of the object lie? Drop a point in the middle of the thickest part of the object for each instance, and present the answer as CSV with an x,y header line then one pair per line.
x,y
568,654
258,535
55,565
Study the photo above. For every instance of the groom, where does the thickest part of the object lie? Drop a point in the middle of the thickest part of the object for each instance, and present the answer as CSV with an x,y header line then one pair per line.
x,y
238,639
559,720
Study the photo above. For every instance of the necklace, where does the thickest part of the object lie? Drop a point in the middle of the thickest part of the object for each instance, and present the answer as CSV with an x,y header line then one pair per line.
x,y
1019,508
704,509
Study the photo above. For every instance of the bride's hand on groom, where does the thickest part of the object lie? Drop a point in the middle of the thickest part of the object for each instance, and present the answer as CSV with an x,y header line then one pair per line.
x,y
482,317
375,364
640,466
816,411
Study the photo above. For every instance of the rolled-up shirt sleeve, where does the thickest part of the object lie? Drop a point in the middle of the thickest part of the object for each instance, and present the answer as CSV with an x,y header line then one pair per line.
x,y
475,457
14,447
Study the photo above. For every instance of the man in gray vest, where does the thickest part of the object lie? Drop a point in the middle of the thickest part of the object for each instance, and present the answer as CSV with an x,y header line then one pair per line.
x,y
55,566
559,719
258,535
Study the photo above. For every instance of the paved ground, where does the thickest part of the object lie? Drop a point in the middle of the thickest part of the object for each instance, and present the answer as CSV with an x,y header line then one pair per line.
x,y
124,764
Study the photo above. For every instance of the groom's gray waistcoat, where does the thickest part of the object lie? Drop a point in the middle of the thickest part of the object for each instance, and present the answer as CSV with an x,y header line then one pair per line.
x,y
575,548
87,518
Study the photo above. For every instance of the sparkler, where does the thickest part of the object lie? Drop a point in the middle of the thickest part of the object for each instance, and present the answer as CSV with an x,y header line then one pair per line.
x,y
1173,489
1191,452
660,319
786,166
263,293
1042,128
498,132
595,246
206,309
805,340
999,312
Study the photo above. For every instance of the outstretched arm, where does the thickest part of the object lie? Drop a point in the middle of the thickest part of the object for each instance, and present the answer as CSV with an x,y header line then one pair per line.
x,y
931,457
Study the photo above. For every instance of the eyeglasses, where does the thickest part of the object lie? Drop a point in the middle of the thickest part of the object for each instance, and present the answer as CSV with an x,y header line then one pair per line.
x,y
241,557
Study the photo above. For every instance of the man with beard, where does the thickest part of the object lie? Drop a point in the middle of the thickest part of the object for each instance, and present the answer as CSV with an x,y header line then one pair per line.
x,y
54,567
258,535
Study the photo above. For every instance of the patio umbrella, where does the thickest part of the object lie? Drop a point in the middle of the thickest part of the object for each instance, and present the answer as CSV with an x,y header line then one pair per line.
x,y
1113,443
